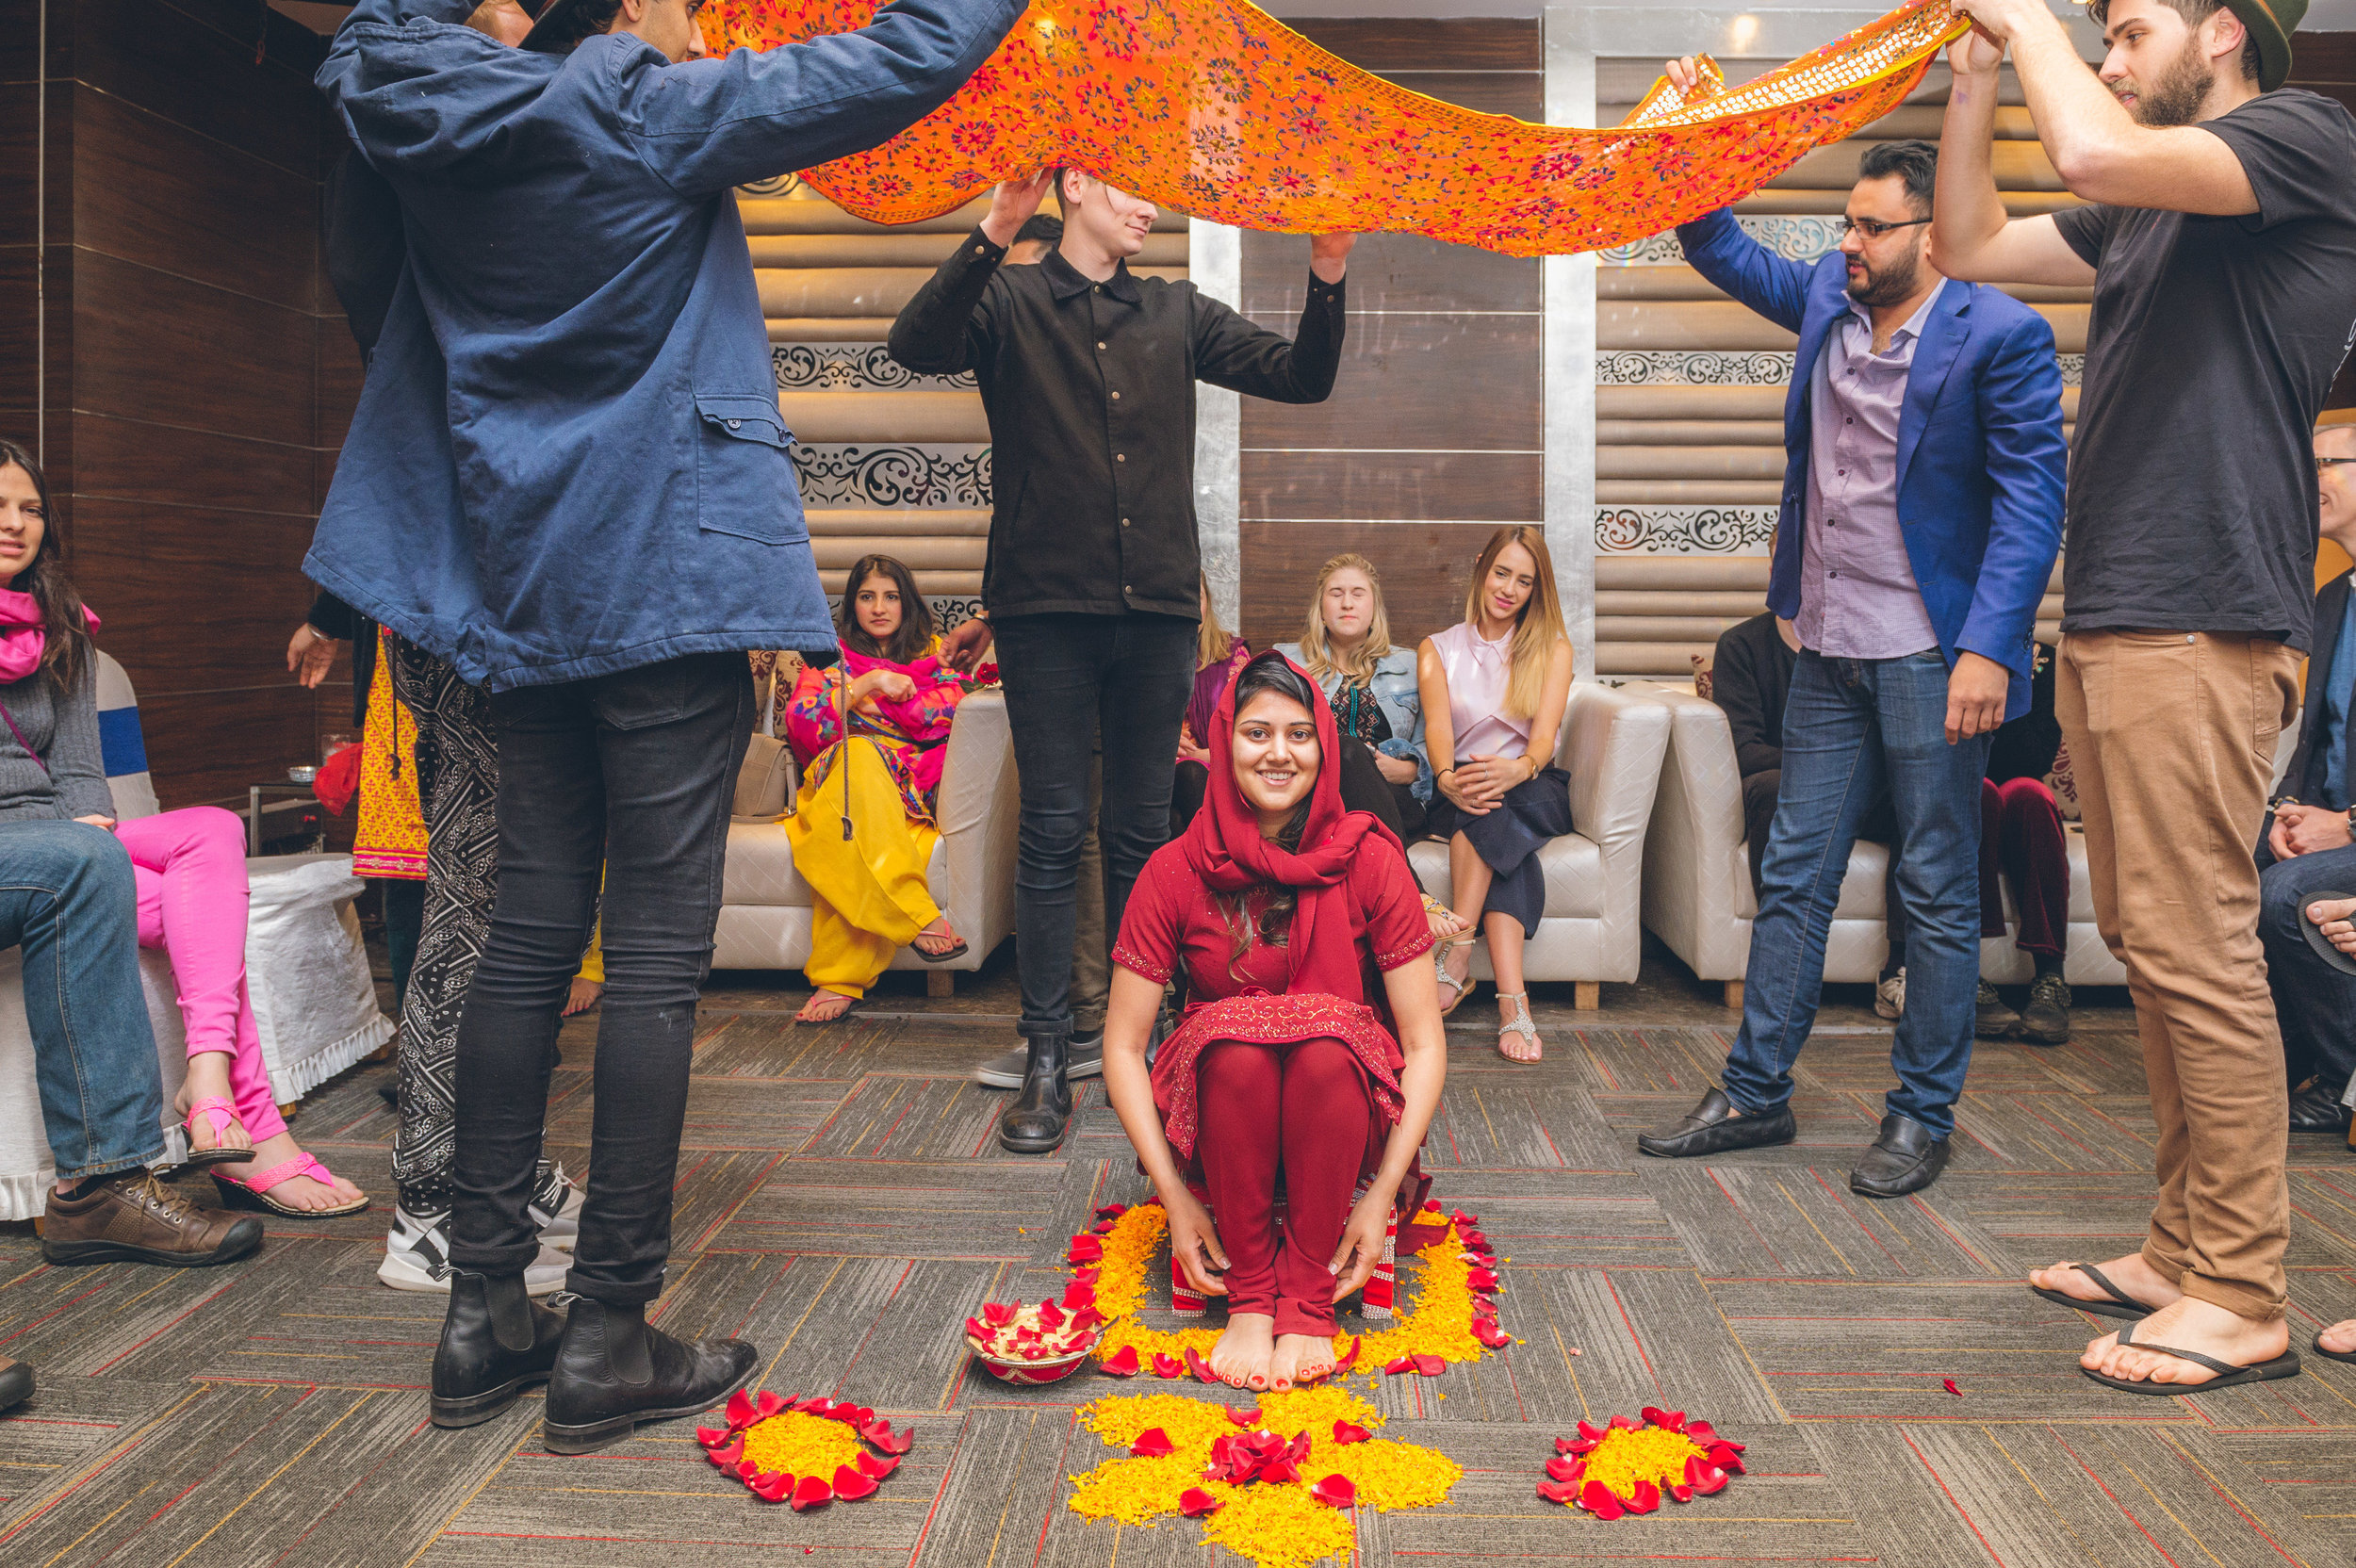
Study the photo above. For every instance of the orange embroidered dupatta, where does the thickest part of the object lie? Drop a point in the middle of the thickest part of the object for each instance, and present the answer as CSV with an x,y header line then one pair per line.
x,y
1221,112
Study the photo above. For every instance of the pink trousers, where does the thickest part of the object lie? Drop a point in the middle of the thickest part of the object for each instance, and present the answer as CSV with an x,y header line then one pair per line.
x,y
190,867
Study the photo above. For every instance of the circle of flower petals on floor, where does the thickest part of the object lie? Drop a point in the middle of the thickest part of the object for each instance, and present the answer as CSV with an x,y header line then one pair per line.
x,y
806,1452
1629,1466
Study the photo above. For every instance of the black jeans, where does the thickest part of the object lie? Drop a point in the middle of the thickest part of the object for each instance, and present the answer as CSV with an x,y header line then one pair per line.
x,y
634,770
1067,677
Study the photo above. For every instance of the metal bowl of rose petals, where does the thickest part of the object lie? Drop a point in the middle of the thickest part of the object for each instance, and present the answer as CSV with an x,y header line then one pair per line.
x,y
1030,1345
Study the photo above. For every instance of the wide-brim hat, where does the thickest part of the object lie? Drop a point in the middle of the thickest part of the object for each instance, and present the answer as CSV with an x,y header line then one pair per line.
x,y
2271,21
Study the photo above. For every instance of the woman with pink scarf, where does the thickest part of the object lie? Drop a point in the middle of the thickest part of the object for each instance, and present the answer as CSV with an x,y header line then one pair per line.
x,y
863,830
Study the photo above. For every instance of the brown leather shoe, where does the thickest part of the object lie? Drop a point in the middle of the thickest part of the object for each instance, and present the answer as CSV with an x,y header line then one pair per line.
x,y
134,1218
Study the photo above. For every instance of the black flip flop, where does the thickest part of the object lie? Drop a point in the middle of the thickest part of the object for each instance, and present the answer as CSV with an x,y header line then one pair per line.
x,y
2228,1375
2348,1356
942,956
2316,940
2119,1305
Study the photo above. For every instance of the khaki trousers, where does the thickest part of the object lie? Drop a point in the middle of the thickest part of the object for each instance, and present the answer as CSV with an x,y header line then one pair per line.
x,y
2172,738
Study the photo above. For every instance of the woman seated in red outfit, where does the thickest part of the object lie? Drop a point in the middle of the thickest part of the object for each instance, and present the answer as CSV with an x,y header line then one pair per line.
x,y
1280,908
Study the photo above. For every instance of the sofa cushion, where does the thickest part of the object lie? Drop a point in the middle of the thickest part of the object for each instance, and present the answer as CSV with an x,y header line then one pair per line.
x,y
1573,865
759,870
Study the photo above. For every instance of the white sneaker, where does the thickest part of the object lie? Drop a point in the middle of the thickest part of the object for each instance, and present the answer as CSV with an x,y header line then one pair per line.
x,y
416,1257
554,1206
1890,997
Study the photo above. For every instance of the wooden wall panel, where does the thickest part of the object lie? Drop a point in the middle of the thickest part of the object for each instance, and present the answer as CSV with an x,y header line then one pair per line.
x,y
209,746
20,307
136,564
1420,381
339,374
200,74
169,197
155,347
1429,438
1316,487
166,465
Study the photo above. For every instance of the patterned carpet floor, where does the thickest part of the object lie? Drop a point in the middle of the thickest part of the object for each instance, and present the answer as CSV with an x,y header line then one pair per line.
x,y
842,1205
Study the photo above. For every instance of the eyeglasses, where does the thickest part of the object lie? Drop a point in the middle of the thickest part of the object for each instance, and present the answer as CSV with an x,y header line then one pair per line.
x,y
1874,228
2323,463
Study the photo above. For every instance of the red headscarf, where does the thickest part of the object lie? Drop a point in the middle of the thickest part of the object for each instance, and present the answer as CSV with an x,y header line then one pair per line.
x,y
1224,846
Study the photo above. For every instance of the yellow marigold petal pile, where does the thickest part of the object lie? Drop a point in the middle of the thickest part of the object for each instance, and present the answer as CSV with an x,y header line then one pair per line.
x,y
1276,1525
1652,1454
1438,1322
795,1443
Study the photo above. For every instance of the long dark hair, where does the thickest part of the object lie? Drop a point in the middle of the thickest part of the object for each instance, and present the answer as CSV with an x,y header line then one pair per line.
x,y
1270,672
44,578
915,635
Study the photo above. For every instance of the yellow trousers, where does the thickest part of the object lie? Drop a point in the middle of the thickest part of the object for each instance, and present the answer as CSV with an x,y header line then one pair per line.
x,y
871,895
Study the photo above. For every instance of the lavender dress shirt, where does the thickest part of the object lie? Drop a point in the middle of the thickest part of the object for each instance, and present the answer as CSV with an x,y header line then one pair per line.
x,y
1859,598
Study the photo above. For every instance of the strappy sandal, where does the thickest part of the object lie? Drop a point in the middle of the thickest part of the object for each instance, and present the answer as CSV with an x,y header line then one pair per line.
x,y
1456,988
253,1192
2228,1375
223,1115
2119,1305
1522,1027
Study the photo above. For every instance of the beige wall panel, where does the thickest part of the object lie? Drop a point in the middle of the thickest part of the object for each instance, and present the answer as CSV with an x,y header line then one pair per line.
x,y
1688,432
1684,462
1687,492
837,554
898,522
943,418
1682,573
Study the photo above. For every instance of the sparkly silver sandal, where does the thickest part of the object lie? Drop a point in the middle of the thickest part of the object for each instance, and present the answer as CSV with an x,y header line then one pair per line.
x,y
1522,1027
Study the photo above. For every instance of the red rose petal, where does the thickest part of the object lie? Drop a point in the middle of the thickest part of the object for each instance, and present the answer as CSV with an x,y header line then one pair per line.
x,y
1949,1384
1350,1358
1646,1499
1194,1503
1345,1434
1621,1423
771,1486
1430,1367
997,1314
877,1465
1050,1315
1583,1447
1085,1249
1244,1418
850,1484
1084,1318
1588,1434
1152,1442
1563,1467
976,1329
1122,1363
1564,1445
1725,1457
899,1442
1682,1494
1082,1277
728,1457
1655,1414
767,1405
1480,1279
1335,1492
1405,1364
740,1410
746,1470
1168,1366
712,1437
1201,1368
1558,1492
1596,1498
1111,1211
1298,1449
1701,1431
1280,1470
1704,1477
809,1492
1486,1331
1080,1293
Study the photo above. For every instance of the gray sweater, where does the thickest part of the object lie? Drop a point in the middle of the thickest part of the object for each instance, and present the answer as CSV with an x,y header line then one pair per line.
x,y
63,730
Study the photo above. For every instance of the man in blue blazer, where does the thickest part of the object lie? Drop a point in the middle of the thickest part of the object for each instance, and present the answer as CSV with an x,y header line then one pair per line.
x,y
1922,513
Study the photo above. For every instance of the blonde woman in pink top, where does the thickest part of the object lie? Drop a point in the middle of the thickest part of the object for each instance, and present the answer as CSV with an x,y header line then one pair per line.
x,y
1494,688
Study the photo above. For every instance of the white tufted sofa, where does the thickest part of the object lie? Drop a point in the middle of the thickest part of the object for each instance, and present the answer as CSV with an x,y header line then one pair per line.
x,y
1697,880
1612,743
306,971
765,905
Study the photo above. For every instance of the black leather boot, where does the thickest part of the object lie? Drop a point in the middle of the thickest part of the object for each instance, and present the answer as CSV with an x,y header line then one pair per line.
x,y
614,1372
1035,1123
495,1340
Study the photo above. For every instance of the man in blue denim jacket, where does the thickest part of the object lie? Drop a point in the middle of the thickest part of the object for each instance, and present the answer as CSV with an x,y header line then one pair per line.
x,y
568,478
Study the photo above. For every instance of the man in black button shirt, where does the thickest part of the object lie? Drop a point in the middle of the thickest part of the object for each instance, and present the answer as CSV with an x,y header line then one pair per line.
x,y
2222,245
1091,586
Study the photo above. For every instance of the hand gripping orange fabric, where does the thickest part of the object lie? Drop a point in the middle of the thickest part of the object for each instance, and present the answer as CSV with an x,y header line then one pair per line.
x,y
1221,112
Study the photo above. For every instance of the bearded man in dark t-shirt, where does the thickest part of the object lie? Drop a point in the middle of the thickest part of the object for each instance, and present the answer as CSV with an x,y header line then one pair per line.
x,y
2222,252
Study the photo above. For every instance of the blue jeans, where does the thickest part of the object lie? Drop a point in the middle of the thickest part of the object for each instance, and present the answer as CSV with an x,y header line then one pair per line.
x,y
67,900
1853,730
1067,677
2315,1002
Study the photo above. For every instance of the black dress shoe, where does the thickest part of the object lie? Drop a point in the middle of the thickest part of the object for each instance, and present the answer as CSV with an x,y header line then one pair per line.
x,y
1035,1123
2317,1108
1905,1158
1712,1128
495,1340
614,1372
